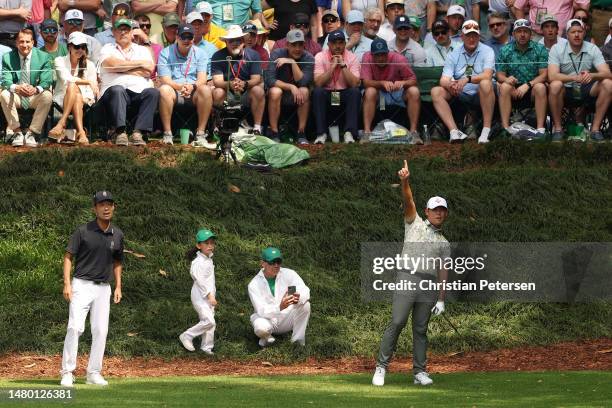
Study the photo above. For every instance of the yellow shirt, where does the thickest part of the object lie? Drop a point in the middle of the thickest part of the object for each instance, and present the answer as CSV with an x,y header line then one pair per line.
x,y
214,36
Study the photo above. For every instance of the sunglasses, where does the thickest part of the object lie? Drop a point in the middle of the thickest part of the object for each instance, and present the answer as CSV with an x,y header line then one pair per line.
x,y
74,22
439,33
275,262
145,26
186,37
330,20
583,19
49,30
80,46
495,25
301,25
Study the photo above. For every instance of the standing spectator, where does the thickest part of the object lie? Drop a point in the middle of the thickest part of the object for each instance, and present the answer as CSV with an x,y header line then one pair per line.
x,y
40,9
330,22
418,10
170,24
140,35
336,80
577,68
500,6
13,15
387,76
468,76
438,8
125,72
373,20
323,5
584,16
251,41
602,20
77,86
356,42
550,31
183,71
455,16
393,9
210,31
236,12
301,22
155,10
403,44
197,23
438,52
606,50
288,78
562,9
26,81
90,10
50,33
120,10
498,25
284,15
73,21
360,5
244,80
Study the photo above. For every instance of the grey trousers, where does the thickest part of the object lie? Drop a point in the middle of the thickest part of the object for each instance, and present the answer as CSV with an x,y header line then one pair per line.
x,y
420,303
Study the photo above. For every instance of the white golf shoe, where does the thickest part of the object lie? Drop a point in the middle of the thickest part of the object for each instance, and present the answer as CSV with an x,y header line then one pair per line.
x,y
266,342
423,378
67,380
321,139
96,379
186,342
379,376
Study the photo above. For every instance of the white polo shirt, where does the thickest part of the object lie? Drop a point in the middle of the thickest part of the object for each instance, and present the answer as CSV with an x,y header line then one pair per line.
x,y
134,83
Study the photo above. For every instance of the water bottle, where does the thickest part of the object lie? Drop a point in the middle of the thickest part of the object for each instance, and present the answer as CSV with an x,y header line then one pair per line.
x,y
426,135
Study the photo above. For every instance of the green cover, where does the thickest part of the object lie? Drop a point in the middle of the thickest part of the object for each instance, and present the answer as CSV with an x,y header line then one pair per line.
x,y
260,149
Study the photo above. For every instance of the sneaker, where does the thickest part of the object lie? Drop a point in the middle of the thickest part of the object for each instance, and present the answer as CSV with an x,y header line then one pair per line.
x,y
122,139
423,378
208,352
18,140
541,136
168,139
266,342
416,139
301,139
365,138
556,136
483,139
348,138
321,138
272,135
96,379
597,137
470,132
457,136
379,376
255,132
202,141
137,139
30,140
67,380
186,342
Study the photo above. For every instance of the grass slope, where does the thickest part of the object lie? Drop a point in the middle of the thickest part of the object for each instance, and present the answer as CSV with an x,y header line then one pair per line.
x,y
318,214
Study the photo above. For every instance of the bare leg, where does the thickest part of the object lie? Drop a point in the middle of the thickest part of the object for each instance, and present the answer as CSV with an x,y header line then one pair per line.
x,y
275,95
487,101
539,93
413,106
167,99
203,101
604,88
555,99
440,98
303,110
505,104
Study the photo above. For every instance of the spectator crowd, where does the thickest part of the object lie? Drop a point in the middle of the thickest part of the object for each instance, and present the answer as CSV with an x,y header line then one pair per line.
x,y
136,64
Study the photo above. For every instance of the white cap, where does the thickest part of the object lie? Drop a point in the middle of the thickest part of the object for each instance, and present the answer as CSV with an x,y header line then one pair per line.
x,y
193,16
233,31
572,22
435,202
77,38
204,7
73,14
470,26
455,9
354,16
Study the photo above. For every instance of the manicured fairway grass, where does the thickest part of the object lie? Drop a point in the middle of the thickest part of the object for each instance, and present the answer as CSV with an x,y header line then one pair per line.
x,y
516,389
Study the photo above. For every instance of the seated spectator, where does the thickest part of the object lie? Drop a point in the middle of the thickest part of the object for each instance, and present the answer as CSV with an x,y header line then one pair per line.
x,y
609,37
289,75
336,80
120,10
583,15
26,82
388,80
77,85
393,9
468,76
210,31
562,9
330,22
183,72
436,53
403,44
3,50
197,22
438,8
577,69
14,17
373,20
170,24
356,42
499,28
90,10
301,22
455,16
244,79
73,22
155,10
250,41
236,12
550,32
521,75
415,34
284,15
125,72
141,36
49,31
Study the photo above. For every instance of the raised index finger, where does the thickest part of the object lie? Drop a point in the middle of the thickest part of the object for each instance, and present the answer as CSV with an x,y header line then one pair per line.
x,y
405,164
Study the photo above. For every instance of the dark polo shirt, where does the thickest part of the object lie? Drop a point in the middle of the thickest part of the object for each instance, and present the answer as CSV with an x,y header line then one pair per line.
x,y
94,251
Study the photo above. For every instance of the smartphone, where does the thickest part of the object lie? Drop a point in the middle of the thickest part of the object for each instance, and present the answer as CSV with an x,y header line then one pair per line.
x,y
291,290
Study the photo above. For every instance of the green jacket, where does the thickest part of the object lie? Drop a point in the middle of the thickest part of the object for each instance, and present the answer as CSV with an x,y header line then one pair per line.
x,y
41,69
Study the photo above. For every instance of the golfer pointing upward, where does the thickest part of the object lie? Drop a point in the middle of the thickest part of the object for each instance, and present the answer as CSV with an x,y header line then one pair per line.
x,y
421,303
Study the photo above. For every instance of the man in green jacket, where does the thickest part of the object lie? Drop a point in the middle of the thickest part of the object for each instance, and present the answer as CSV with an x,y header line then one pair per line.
x,y
27,75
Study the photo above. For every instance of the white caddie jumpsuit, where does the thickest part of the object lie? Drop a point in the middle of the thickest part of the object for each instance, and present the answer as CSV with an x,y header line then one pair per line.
x,y
203,273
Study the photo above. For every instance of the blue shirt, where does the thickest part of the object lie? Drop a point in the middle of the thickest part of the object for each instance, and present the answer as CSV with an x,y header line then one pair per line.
x,y
210,49
496,45
105,37
182,69
459,61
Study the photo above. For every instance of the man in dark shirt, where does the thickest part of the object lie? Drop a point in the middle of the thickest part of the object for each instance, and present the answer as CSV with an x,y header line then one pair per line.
x,y
288,76
97,250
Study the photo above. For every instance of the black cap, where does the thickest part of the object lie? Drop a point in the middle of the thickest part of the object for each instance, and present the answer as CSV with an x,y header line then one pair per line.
x,y
440,25
402,21
336,35
379,46
185,28
301,18
49,23
102,196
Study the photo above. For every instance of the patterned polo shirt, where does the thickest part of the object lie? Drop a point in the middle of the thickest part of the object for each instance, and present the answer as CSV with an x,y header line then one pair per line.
x,y
421,239
523,65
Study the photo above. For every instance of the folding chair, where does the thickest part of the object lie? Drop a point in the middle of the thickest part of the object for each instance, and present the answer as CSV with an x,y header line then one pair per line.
x,y
427,78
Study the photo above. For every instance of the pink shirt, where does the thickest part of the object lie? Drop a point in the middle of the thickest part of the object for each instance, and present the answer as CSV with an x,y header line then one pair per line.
x,y
323,65
562,9
397,68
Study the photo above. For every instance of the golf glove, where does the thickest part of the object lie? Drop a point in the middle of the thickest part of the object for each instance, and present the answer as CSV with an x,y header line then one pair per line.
x,y
438,309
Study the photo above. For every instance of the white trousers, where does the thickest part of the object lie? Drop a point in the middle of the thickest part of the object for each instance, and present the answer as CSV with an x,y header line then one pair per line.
x,y
206,326
87,297
296,319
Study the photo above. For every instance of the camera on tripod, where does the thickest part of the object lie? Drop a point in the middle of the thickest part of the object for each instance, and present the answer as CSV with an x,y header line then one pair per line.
x,y
227,122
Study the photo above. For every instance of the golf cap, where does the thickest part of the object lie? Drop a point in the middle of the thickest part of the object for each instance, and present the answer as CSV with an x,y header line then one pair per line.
x,y
301,18
123,21
185,28
573,22
204,7
415,21
435,202
440,25
390,2
522,23
171,19
379,46
454,10
330,12
401,22
73,14
193,16
548,18
271,254
48,23
101,196
470,26
294,36
204,235
336,35
234,31
354,16
121,5
77,38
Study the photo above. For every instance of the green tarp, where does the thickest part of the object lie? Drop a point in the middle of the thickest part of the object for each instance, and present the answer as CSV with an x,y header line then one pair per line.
x,y
260,149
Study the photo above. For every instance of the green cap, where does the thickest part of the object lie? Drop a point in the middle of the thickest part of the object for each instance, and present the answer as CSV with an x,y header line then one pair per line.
x,y
123,21
204,234
415,21
270,254
171,19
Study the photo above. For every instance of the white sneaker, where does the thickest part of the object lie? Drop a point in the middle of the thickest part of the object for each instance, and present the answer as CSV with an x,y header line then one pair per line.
x,y
18,140
96,379
266,342
186,342
379,376
456,136
319,140
423,378
348,138
208,352
202,142
30,140
67,380
167,139
483,139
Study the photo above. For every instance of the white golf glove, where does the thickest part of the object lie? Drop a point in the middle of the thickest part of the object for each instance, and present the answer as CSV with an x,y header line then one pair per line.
x,y
438,309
